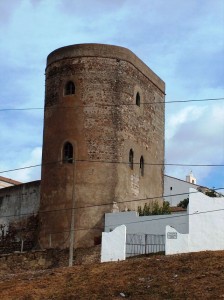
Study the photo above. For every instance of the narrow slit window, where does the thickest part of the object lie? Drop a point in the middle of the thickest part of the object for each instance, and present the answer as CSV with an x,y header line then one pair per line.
x,y
142,166
69,88
131,159
68,153
138,99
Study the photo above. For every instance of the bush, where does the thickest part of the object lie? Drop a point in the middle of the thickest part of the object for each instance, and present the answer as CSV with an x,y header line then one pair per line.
x,y
211,193
153,208
183,203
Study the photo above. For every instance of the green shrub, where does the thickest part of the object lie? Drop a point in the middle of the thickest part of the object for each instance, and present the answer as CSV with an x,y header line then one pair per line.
x,y
153,208
183,203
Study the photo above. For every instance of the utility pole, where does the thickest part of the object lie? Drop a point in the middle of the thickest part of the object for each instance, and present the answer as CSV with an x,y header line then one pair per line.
x,y
71,244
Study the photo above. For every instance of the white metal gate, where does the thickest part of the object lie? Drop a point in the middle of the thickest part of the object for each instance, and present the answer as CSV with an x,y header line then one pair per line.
x,y
137,244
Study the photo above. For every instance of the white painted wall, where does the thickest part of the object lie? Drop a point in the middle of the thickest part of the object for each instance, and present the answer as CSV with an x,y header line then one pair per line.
x,y
113,247
206,226
206,222
146,224
176,242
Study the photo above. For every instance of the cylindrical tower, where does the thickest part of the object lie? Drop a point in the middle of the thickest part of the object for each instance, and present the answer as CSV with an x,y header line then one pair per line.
x,y
100,141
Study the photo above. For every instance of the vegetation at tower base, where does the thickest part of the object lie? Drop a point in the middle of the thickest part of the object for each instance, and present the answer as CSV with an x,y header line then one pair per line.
x,y
153,208
21,235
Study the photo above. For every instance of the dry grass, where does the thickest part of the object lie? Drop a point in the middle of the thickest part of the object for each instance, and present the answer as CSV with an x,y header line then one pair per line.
x,y
186,276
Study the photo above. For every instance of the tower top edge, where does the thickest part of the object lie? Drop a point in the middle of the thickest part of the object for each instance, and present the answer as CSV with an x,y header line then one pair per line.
x,y
104,51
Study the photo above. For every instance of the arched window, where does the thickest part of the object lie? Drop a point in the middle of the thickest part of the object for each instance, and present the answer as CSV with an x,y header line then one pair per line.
x,y
68,153
69,88
131,159
142,166
137,99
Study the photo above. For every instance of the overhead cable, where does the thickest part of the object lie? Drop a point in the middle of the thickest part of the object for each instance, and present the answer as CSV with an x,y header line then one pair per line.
x,y
109,203
107,105
116,162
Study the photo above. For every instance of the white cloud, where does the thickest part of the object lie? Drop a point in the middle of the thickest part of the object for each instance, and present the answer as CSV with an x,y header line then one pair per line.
x,y
197,138
182,42
185,115
31,173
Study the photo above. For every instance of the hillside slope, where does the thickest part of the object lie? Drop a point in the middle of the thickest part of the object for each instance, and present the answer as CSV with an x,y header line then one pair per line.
x,y
186,276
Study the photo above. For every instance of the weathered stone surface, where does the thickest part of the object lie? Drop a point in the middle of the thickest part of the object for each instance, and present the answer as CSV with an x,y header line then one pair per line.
x,y
103,122
46,259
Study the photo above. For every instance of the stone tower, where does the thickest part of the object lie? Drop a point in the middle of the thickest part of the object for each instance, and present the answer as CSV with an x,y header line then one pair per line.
x,y
102,143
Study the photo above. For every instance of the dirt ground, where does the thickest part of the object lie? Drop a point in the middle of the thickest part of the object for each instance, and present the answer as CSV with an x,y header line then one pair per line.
x,y
186,276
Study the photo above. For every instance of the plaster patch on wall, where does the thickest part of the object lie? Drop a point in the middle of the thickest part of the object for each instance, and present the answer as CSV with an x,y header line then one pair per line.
x,y
135,184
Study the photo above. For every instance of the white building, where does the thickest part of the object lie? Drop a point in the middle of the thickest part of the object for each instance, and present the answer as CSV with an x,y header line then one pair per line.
x,y
176,190
206,223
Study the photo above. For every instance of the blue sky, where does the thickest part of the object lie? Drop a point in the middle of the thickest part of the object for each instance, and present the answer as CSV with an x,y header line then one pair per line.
x,y
181,41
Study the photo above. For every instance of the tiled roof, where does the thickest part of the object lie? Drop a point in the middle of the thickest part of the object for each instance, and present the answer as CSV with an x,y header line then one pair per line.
x,y
8,180
177,209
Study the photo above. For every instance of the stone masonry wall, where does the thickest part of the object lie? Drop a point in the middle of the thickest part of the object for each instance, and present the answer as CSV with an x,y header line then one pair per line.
x,y
103,123
45,259
19,206
19,202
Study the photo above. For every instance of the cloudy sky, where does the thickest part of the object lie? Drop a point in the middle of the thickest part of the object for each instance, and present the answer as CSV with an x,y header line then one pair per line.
x,y
182,41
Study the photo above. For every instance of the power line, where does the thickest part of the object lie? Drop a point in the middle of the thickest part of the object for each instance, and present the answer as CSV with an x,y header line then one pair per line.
x,y
154,164
152,220
107,105
170,217
105,204
165,217
116,162
22,168
194,100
